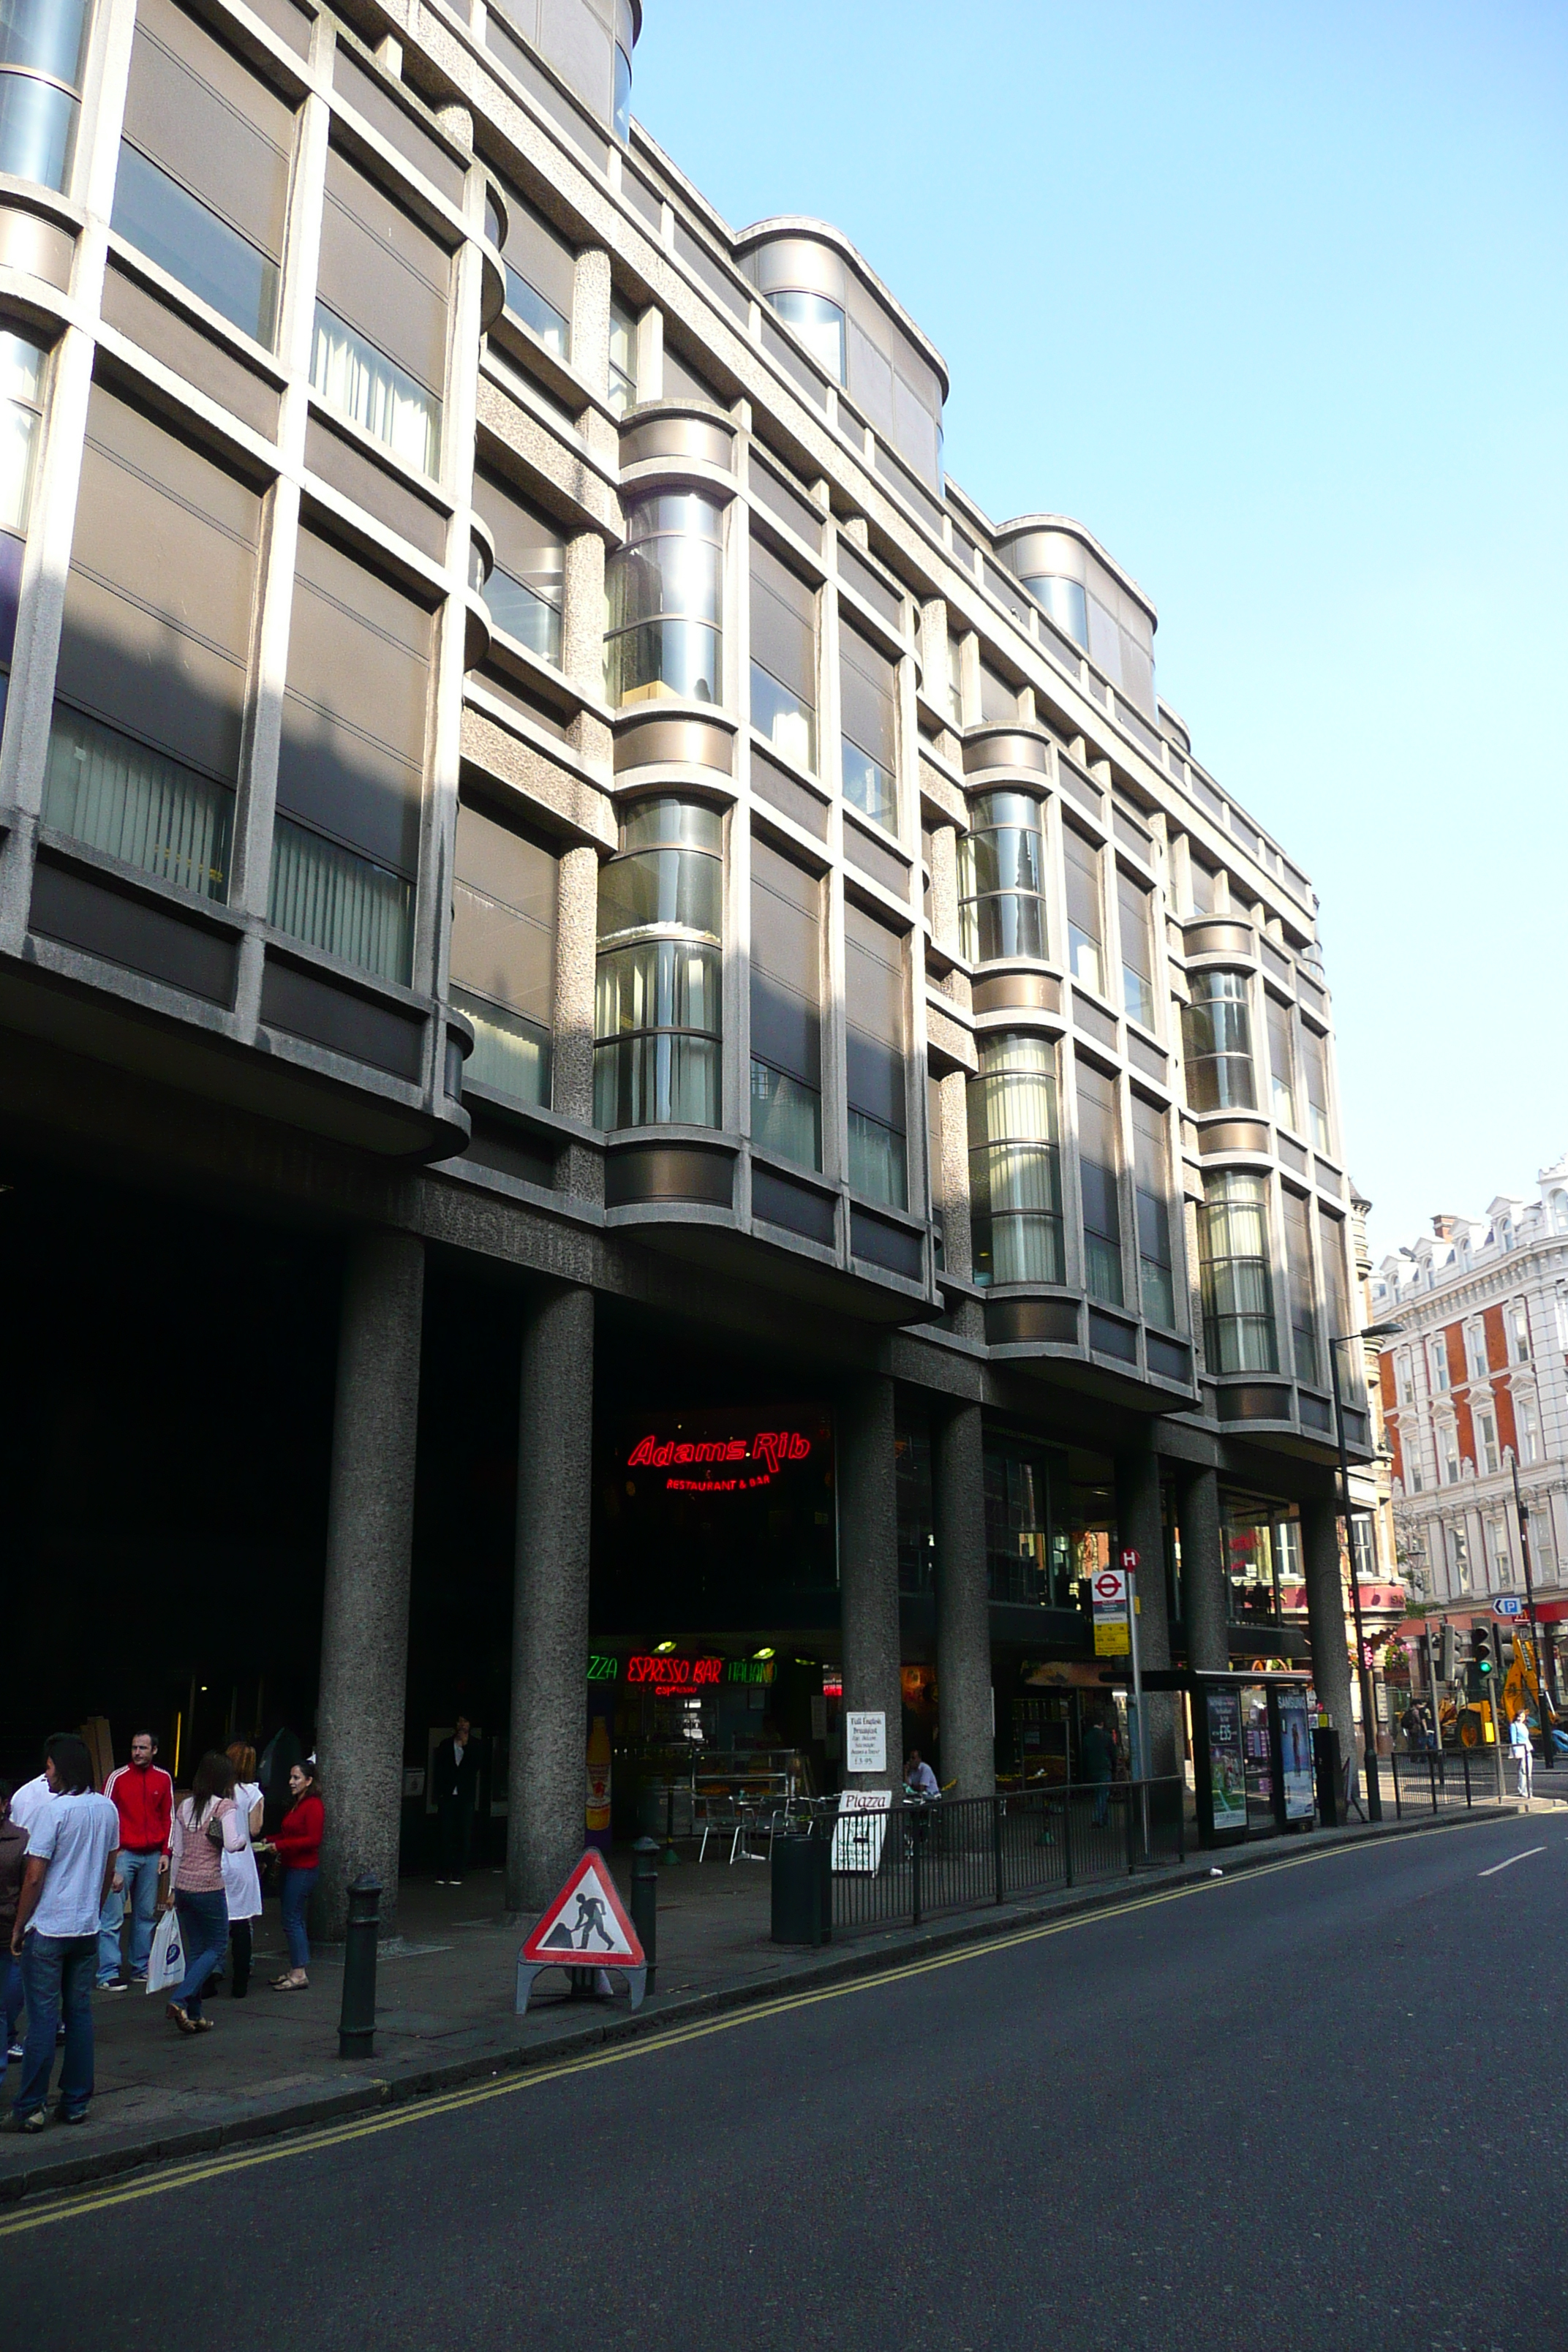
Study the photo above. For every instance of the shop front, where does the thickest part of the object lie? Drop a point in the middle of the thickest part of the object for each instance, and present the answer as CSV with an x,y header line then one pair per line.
x,y
714,1606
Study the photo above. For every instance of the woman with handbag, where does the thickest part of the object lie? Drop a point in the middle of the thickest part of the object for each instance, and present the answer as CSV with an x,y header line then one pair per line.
x,y
241,1879
298,1841
204,1828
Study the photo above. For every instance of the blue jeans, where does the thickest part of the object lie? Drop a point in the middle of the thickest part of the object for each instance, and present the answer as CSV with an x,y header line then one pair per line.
x,y
139,1876
15,1997
57,1971
1101,1802
297,1886
204,1931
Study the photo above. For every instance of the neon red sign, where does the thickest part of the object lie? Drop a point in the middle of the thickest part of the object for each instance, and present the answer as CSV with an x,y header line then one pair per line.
x,y
771,1446
674,1674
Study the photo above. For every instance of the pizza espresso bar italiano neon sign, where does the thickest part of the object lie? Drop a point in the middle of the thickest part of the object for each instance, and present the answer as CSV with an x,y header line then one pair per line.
x,y
722,1465
663,1673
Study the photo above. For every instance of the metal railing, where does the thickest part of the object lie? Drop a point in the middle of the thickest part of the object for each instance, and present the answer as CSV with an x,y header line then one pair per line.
x,y
1434,1779
918,1858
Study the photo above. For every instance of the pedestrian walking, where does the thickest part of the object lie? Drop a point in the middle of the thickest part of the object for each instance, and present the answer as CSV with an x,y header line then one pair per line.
x,y
12,1862
1524,1753
454,1772
298,1839
71,1861
144,1796
241,1879
204,1827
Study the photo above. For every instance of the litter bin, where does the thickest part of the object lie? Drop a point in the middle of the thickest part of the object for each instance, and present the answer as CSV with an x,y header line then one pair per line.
x,y
1331,1776
801,1889
651,1810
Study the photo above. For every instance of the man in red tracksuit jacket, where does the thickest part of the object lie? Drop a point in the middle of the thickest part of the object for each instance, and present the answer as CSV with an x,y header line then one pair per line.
x,y
144,1796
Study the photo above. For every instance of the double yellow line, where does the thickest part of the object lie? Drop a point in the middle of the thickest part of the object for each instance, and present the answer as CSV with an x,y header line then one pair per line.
x,y
70,2205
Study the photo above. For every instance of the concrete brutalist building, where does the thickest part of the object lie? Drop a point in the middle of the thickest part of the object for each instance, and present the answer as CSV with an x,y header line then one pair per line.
x,y
640,1077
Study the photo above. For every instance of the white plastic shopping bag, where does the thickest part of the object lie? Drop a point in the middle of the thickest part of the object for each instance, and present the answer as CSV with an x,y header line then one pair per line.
x,y
166,1960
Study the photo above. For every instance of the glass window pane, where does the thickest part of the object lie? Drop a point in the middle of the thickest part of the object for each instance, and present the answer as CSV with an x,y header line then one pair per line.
x,y
364,384
1064,601
38,131
818,323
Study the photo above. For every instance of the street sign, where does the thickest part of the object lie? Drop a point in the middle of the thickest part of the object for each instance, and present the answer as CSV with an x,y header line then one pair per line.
x,y
586,1927
1129,1559
1108,1592
1508,1604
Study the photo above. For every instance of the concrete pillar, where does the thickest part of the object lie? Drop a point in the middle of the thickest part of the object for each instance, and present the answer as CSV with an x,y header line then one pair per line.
x,y
1139,1524
1326,1617
1206,1591
546,1784
962,1605
869,1566
369,1529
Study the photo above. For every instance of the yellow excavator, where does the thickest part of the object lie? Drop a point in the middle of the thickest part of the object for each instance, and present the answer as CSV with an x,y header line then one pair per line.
x,y
1522,1688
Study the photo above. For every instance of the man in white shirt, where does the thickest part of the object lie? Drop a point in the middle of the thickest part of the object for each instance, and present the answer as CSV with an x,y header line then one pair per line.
x,y
71,1845
29,1800
919,1777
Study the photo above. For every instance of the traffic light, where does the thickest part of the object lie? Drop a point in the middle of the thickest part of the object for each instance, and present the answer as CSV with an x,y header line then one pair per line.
x,y
1478,1672
1446,1656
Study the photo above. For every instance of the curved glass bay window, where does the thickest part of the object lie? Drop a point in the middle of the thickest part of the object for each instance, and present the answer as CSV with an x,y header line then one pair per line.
x,y
665,590
1015,1163
818,323
1237,1289
657,993
1001,878
42,46
1065,602
1216,1043
21,406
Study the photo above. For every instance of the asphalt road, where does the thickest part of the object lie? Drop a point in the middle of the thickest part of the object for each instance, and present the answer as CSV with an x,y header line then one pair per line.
x,y
1293,2108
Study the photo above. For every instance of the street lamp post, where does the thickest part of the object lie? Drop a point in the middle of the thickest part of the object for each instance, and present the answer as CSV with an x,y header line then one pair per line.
x,y
1547,1743
1363,1679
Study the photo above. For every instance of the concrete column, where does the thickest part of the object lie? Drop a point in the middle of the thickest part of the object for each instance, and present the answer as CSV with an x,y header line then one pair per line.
x,y
962,1605
579,1168
869,1565
1205,1593
546,1786
369,1529
1139,1523
1326,1617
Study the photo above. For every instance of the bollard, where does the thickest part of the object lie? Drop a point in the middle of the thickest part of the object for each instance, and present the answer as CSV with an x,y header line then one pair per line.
x,y
356,2022
644,1900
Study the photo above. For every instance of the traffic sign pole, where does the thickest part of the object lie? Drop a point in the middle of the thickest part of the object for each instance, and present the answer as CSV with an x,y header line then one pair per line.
x,y
1138,1690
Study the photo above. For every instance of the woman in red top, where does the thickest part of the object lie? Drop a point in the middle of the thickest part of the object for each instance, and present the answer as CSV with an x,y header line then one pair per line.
x,y
299,1844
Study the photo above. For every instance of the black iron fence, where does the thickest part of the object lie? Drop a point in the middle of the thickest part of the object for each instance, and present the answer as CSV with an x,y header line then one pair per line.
x,y
1434,1779
912,1859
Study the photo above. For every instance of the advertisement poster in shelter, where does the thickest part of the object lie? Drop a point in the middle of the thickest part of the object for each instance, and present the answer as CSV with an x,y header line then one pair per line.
x,y
1227,1772
1296,1755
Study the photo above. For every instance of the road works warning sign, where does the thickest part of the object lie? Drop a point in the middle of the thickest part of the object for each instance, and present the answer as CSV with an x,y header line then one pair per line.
x,y
585,1926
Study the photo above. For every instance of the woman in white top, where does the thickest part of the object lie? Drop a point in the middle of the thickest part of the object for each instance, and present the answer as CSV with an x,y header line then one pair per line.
x,y
241,1879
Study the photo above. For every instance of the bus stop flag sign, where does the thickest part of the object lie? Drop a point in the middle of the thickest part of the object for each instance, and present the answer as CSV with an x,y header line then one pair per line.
x,y
1112,1632
586,1929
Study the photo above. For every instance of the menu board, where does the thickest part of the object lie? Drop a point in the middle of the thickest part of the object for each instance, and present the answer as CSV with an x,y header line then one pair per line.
x,y
1296,1755
1227,1772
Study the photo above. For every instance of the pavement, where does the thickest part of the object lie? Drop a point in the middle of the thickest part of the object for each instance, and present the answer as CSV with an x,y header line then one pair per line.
x,y
1202,2116
444,2014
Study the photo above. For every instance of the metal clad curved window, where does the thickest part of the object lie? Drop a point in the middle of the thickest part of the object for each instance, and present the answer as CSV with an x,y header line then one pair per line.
x,y
1216,1043
42,46
1065,602
1015,1163
818,323
622,116
1237,1289
656,1022
666,598
1002,863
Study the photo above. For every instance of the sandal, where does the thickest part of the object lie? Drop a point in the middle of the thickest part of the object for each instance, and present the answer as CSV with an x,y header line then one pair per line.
x,y
175,2015
291,1984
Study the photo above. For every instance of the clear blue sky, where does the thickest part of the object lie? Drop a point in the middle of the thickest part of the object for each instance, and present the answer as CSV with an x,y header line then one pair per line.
x,y
1272,298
